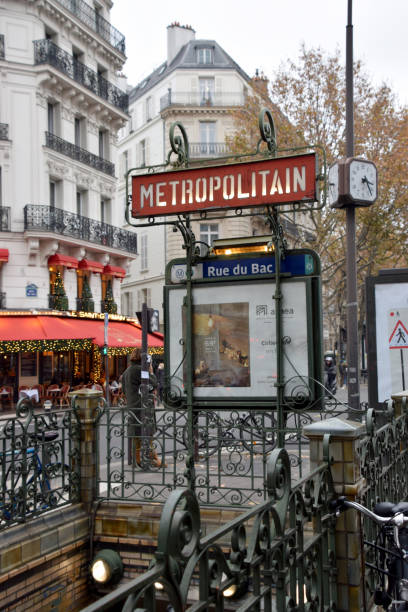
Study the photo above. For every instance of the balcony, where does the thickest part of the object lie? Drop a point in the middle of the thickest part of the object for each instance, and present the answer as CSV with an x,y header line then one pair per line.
x,y
95,22
4,218
197,98
85,157
41,218
46,52
207,149
4,131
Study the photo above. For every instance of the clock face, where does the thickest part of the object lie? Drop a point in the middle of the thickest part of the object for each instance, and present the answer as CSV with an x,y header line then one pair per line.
x,y
333,184
363,181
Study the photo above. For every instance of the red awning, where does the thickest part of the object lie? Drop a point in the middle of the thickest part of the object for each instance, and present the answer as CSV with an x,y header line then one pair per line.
x,y
43,327
4,254
115,271
92,266
63,260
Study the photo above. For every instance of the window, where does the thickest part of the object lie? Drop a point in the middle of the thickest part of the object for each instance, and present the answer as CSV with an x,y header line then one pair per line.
x,y
207,89
207,137
81,276
80,132
143,252
103,144
143,297
149,108
105,211
52,118
143,153
125,162
208,233
127,304
79,203
53,194
205,55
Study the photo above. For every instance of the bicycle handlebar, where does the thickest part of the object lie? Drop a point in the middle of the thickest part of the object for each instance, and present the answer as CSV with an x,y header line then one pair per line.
x,y
398,520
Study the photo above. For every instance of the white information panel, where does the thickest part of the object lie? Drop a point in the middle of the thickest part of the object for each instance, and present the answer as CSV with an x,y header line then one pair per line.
x,y
234,339
391,307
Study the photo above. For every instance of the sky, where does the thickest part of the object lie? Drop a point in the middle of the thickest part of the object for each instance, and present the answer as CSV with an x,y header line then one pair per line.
x,y
260,34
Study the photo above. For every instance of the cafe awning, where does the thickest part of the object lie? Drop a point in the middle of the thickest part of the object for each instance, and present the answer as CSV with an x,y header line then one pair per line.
x,y
4,255
115,271
42,332
89,264
63,260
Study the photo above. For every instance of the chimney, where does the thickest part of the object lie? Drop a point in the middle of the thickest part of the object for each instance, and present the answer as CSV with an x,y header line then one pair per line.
x,y
177,36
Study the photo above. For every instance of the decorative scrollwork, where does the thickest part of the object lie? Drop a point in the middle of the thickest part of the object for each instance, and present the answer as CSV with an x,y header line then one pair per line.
x,y
179,144
267,129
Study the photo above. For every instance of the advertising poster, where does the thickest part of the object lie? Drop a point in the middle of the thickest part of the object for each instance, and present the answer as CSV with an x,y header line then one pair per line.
x,y
234,339
391,319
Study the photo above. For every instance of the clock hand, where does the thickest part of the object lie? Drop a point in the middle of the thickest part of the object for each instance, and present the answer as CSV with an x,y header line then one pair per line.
x,y
368,183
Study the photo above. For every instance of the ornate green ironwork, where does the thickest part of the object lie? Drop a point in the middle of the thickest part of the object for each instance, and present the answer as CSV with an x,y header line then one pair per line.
x,y
269,563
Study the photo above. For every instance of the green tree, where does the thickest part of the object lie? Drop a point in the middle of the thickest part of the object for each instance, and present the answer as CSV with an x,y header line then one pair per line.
x,y
110,304
60,300
87,300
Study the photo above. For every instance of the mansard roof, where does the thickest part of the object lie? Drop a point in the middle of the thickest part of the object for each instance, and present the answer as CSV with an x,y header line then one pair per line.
x,y
186,59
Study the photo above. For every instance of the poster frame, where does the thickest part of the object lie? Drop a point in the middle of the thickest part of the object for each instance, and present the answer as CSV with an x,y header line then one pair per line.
x,y
393,276
314,330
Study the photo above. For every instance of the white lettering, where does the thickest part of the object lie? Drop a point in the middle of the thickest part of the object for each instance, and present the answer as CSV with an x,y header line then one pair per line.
x,y
264,174
225,194
160,194
215,183
255,268
173,192
276,184
146,193
253,192
211,270
299,179
240,194
287,190
203,197
187,189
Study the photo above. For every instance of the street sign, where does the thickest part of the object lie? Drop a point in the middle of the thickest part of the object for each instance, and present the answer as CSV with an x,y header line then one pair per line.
x,y
399,337
299,264
280,180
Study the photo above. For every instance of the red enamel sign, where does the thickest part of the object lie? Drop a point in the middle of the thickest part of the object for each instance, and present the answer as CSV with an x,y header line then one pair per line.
x,y
273,181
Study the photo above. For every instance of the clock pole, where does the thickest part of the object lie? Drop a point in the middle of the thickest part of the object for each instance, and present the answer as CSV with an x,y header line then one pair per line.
x,y
353,388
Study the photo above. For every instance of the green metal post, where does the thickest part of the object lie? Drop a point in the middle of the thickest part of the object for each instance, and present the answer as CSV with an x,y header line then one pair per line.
x,y
279,332
188,305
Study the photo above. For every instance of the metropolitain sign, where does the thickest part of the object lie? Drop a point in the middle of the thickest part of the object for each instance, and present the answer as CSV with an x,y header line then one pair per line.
x,y
267,182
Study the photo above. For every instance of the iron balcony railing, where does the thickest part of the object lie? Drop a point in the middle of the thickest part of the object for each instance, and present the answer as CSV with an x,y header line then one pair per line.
x,y
74,152
4,218
46,52
95,22
38,217
2,54
208,149
197,98
4,131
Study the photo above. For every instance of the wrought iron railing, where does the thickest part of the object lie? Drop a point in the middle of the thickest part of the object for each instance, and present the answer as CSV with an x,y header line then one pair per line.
x,y
4,218
208,149
197,98
2,54
85,305
2,299
85,157
46,52
4,128
263,558
95,22
39,463
42,218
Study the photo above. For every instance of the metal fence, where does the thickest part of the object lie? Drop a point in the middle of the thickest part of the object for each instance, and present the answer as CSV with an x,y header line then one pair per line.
x,y
279,555
39,463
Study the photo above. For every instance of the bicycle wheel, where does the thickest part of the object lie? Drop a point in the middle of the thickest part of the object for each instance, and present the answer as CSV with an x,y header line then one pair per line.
x,y
258,432
207,434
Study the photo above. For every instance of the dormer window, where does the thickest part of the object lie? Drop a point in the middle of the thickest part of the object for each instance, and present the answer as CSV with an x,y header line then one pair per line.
x,y
205,55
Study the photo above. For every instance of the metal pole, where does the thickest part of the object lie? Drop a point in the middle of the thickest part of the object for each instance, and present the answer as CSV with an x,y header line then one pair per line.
x,y
351,253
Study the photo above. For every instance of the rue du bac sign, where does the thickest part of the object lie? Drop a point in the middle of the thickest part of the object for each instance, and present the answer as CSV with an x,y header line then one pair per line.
x,y
281,180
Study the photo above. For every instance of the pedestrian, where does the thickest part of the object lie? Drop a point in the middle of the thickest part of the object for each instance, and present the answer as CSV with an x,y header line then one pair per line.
x,y
141,418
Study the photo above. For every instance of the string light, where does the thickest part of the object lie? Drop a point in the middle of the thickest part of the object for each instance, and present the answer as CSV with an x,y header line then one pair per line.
x,y
77,370
30,346
96,372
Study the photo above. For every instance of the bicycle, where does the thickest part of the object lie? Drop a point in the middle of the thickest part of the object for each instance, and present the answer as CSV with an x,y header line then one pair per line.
x,y
390,548
256,433
28,486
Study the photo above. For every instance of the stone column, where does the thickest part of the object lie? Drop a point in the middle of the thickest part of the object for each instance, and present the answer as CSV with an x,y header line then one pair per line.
x,y
86,406
344,437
